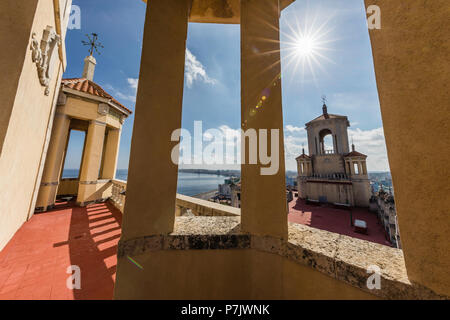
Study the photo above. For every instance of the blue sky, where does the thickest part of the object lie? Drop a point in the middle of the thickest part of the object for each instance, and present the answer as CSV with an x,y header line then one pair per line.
x,y
343,71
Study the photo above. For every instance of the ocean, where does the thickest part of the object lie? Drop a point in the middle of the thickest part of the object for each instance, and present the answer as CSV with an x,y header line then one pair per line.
x,y
189,184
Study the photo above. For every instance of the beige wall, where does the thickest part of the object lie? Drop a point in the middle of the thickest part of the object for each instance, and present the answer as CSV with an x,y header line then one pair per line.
x,y
339,193
29,111
249,274
328,164
411,56
16,36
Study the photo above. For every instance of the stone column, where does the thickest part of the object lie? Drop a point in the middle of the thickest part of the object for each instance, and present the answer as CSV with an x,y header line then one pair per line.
x,y
91,162
111,154
152,176
54,162
364,167
263,202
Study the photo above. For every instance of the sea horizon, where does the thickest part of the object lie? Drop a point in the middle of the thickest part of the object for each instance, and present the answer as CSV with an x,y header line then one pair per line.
x,y
189,184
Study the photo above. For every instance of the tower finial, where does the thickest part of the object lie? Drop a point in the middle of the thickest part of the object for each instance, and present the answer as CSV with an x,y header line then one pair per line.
x,y
324,107
303,148
353,145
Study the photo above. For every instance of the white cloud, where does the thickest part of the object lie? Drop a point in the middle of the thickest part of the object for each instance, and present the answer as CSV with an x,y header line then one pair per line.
x,y
133,83
291,129
195,71
371,143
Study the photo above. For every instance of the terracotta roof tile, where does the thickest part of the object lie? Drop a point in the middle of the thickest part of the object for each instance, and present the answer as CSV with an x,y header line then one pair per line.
x,y
86,86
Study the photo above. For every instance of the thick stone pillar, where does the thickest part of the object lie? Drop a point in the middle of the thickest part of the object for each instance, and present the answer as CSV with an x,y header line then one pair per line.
x,y
263,202
54,162
92,158
152,176
111,154
411,57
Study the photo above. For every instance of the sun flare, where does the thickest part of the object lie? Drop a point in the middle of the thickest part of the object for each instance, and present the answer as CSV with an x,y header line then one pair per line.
x,y
306,46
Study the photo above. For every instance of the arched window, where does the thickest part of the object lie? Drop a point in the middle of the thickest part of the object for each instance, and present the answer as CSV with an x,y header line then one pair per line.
x,y
326,142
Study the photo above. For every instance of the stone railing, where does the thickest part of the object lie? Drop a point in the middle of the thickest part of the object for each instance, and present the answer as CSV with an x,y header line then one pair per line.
x,y
204,208
332,176
184,204
119,188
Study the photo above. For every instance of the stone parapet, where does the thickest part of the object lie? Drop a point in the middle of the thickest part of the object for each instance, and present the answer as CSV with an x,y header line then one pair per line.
x,y
340,257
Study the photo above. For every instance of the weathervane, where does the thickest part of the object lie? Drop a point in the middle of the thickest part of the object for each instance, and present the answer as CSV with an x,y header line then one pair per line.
x,y
324,99
93,43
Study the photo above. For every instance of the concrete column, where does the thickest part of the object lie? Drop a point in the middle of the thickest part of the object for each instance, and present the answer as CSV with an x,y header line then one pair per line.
x,y
111,154
152,176
263,202
91,162
53,163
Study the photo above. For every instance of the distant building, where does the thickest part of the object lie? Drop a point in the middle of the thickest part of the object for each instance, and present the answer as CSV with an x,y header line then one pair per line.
x,y
225,188
334,175
384,205
236,195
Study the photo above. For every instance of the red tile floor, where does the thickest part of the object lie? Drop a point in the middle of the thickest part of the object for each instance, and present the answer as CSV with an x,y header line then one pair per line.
x,y
326,217
34,263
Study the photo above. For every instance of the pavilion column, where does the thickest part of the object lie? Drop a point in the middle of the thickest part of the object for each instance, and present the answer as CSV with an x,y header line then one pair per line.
x,y
54,162
111,154
92,158
263,201
152,175
364,167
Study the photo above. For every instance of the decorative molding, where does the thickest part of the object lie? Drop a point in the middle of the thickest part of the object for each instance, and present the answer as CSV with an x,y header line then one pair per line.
x,y
43,55
49,184
62,99
103,109
88,182
97,122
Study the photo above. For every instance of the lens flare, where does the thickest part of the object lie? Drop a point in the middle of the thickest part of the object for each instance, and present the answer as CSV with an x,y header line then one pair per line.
x,y
304,46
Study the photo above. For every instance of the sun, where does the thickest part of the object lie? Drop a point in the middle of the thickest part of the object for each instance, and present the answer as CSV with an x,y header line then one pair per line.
x,y
305,46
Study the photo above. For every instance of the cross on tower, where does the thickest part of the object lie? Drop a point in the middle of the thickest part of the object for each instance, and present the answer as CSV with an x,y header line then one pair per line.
x,y
93,43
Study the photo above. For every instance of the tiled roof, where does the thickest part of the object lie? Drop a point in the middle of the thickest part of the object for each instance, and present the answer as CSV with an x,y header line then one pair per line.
x,y
87,86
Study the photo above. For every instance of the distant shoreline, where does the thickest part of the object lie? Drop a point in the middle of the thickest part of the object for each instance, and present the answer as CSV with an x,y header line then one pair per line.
x,y
206,195
227,173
